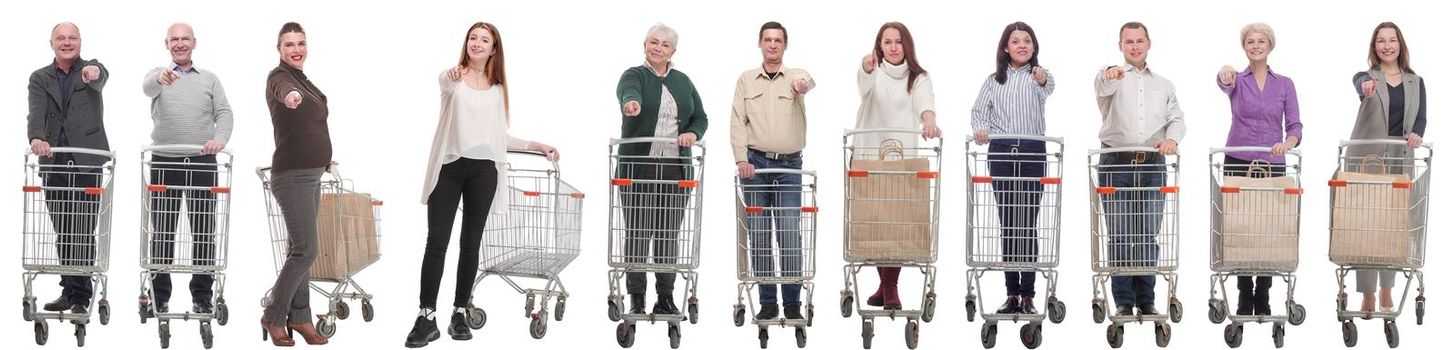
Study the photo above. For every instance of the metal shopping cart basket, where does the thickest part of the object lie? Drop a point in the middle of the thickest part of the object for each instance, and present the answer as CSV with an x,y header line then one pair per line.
x,y
1134,231
1013,225
654,227
67,231
777,235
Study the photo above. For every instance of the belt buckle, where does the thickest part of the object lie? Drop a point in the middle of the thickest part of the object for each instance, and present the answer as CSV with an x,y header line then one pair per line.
x,y
771,155
1140,157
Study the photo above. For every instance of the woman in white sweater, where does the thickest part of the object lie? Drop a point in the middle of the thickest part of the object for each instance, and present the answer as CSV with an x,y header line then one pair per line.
x,y
895,93
467,162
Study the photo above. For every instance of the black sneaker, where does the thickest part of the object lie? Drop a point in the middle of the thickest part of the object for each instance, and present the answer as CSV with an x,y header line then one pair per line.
x,y
1028,305
79,309
665,306
198,307
425,331
1245,304
790,311
1147,309
1124,310
639,304
1012,306
60,304
459,329
768,312
161,308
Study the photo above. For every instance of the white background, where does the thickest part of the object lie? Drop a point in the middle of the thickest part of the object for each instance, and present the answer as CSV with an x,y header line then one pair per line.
x,y
378,64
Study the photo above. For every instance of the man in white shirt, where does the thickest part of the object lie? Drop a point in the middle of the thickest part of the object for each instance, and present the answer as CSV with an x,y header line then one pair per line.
x,y
1139,109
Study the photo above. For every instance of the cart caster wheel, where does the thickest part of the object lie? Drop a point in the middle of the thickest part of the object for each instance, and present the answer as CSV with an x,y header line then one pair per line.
x,y
103,310
1031,335
326,329
42,332
222,314
1174,311
538,327
1217,312
164,333
1391,334
1419,310
206,330
27,310
1233,335
911,335
80,335
341,310
1057,310
970,309
762,338
1114,335
692,312
1297,314
846,304
475,318
1351,333
560,313
674,335
987,334
1342,301
530,305
867,331
368,309
1098,314
1278,333
929,308
801,335
809,314
1164,334
740,315
626,335
613,310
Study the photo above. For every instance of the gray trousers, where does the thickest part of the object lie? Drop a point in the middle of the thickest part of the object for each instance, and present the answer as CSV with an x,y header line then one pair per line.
x,y
1365,280
297,193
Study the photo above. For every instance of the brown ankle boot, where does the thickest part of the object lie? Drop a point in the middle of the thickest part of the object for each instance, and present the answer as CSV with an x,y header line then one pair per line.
x,y
310,335
278,333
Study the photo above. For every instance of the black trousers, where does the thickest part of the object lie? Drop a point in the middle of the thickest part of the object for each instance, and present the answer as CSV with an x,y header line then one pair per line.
x,y
1019,206
653,214
73,214
474,182
197,171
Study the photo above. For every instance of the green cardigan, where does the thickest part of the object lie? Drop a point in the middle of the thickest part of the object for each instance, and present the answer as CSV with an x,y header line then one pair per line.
x,y
643,85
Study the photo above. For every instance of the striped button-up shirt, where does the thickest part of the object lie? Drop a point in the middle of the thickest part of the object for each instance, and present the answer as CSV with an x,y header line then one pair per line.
x,y
1016,107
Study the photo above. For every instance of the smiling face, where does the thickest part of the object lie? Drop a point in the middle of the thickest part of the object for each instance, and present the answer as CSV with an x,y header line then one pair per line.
x,y
293,49
1387,46
891,45
773,44
66,42
479,45
180,43
658,49
1134,45
1020,47
1257,46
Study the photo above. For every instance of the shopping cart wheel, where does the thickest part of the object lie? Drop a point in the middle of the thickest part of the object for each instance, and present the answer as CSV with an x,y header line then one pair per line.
x,y
1351,333
1278,332
1114,335
475,318
1174,310
740,315
80,335
560,312
103,310
1164,334
674,335
538,327
970,309
1391,334
1342,302
1419,310
762,337
530,305
867,331
368,310
27,310
1057,310
626,335
341,309
42,332
613,310
987,334
1031,335
801,335
692,311
846,303
929,312
809,314
221,313
1217,311
1297,314
1098,313
911,334
206,330
164,333
1233,335
326,328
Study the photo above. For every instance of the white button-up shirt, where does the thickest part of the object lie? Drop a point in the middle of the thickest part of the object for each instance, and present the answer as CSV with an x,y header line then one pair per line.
x,y
1138,110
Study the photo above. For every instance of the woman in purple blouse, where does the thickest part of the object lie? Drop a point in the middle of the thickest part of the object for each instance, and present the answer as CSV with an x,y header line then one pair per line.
x,y
1265,114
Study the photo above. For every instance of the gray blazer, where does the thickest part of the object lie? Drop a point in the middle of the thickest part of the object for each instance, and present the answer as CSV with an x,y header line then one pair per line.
x,y
83,123
1372,122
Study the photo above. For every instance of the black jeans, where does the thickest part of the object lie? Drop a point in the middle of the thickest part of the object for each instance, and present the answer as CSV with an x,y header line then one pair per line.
x,y
1258,289
1019,206
166,208
654,214
474,181
73,214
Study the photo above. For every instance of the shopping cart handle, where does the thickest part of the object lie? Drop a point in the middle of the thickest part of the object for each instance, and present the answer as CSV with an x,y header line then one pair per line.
x,y
181,149
616,141
1254,149
78,150
1098,151
554,165
784,171
1346,143
852,132
1020,137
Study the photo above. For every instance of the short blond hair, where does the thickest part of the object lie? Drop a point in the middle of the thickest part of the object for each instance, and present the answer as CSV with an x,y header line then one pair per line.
x,y
1260,28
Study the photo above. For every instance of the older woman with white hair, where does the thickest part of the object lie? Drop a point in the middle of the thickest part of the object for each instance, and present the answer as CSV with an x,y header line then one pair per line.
x,y
1265,114
656,101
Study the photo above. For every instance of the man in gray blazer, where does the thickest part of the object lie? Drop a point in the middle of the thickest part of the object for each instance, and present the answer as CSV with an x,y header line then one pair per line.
x,y
65,111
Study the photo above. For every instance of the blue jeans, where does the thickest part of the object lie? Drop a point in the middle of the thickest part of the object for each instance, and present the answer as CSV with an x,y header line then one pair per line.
x,y
1020,205
775,190
1133,219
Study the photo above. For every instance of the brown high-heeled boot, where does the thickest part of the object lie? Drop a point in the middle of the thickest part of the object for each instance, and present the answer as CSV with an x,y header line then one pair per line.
x,y
309,333
279,333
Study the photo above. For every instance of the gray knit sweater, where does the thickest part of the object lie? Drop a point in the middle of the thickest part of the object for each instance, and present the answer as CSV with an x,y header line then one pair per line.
x,y
191,111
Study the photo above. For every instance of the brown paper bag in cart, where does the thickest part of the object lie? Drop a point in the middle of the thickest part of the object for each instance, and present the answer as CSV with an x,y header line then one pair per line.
x,y
1371,222
1260,227
889,214
347,240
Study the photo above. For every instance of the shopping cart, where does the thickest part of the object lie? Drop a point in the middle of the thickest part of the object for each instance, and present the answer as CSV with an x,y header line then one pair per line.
x,y
1134,231
67,232
776,245
891,220
184,230
1013,225
1379,201
349,227
655,225
1254,230
537,237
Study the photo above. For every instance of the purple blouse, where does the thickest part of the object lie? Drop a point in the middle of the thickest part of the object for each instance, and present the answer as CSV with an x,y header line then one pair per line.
x,y
1261,118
